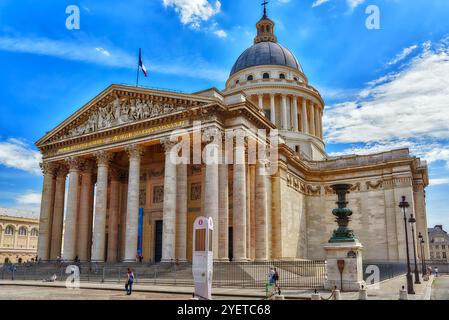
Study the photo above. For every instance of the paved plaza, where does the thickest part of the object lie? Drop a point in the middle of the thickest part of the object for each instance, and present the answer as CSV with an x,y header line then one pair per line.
x,y
440,290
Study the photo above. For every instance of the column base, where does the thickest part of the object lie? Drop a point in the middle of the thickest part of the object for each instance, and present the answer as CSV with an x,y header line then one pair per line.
x,y
182,261
97,261
129,260
221,260
241,260
168,261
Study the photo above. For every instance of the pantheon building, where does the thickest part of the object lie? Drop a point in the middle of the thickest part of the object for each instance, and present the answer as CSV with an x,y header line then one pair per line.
x,y
111,191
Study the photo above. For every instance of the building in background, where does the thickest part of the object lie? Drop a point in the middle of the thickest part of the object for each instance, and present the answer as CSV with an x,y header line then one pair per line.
x,y
439,244
19,232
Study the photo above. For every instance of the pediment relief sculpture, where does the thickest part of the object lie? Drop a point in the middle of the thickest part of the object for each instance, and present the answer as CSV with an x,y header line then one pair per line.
x,y
118,112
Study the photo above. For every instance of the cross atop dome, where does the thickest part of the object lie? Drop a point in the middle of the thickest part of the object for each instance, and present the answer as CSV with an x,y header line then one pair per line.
x,y
265,8
265,27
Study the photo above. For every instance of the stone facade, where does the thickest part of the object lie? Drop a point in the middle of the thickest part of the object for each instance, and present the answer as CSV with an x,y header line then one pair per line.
x,y
124,140
18,236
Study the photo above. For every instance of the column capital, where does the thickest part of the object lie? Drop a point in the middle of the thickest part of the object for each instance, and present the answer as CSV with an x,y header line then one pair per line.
x,y
103,158
168,144
88,166
134,151
210,133
74,163
48,168
62,171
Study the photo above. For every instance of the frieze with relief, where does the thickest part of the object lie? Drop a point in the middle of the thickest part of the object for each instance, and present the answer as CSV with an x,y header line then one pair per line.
x,y
121,111
307,189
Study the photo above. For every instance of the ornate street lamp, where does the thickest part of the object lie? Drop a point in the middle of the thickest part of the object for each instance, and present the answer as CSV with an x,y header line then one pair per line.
x,y
412,222
404,205
343,233
423,259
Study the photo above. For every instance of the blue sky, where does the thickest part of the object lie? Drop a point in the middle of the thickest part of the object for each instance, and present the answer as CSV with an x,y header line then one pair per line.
x,y
384,89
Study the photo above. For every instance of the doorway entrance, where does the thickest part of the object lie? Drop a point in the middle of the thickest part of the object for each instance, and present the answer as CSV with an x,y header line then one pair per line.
x,y
158,241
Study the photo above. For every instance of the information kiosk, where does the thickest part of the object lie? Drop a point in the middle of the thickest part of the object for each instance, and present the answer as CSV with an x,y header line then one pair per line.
x,y
203,260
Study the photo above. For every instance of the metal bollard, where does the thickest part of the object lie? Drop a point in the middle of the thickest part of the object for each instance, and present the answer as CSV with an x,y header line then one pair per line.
x,y
316,295
363,294
403,295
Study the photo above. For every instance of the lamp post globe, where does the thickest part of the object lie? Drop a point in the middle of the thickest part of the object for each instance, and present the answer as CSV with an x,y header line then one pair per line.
x,y
412,222
404,205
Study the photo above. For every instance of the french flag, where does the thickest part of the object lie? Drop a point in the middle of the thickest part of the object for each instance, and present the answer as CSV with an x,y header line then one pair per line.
x,y
141,65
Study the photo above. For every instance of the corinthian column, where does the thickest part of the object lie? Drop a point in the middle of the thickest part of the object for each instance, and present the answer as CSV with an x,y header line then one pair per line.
x,y
58,213
72,209
260,96
239,201
305,123
113,216
211,183
261,213
48,190
284,112
223,212
272,109
181,213
85,212
169,214
101,203
295,114
312,119
132,209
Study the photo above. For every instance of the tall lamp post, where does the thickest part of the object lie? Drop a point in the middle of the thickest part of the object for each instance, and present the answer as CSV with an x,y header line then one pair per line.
x,y
404,205
412,222
423,259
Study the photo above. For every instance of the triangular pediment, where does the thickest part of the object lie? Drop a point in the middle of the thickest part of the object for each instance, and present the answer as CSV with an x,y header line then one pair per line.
x,y
120,106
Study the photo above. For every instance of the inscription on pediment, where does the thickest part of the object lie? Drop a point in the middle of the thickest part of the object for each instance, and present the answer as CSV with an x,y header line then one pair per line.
x,y
121,111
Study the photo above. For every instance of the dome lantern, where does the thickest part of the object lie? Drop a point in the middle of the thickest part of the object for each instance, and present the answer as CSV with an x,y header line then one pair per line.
x,y
265,28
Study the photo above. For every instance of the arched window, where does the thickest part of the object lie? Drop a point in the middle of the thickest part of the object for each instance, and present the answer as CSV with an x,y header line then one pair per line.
x,y
250,78
295,78
268,28
266,75
282,76
22,231
237,81
34,233
9,230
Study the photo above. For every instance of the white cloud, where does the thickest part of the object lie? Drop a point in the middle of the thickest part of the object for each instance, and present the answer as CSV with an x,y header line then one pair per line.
x,y
438,182
402,55
29,198
20,155
410,103
89,51
405,109
194,12
318,3
352,4
221,33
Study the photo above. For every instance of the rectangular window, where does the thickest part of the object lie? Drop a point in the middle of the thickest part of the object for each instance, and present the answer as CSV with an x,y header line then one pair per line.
x,y
443,247
444,255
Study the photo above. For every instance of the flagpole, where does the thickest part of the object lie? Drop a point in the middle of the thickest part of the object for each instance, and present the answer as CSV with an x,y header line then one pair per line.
x,y
138,67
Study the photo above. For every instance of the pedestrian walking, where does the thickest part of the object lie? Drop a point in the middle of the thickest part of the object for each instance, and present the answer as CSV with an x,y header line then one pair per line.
x,y
276,281
129,282
436,271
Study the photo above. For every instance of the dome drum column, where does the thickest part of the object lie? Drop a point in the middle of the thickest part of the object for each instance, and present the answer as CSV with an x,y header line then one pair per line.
x,y
272,108
295,113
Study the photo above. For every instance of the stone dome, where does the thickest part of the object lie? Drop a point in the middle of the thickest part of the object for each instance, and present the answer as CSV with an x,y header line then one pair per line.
x,y
266,53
